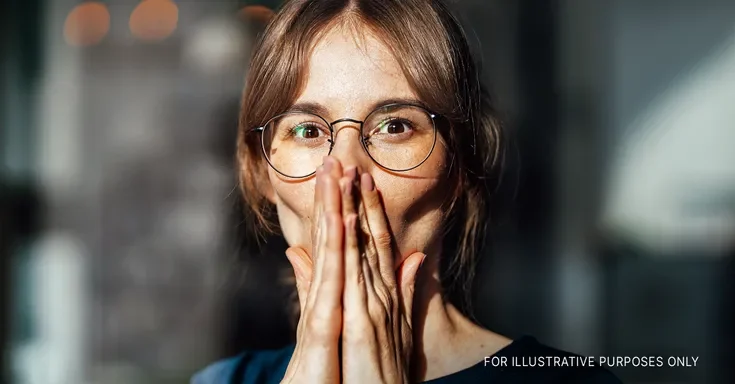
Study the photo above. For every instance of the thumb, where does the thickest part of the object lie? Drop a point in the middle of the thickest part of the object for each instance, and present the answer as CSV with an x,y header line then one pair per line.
x,y
301,264
407,281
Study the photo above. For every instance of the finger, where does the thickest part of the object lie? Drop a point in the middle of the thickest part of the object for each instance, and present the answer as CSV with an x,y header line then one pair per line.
x,y
368,252
325,201
331,198
380,312
379,231
354,296
346,186
317,209
407,282
319,255
358,331
351,246
329,254
370,292
328,288
333,167
325,294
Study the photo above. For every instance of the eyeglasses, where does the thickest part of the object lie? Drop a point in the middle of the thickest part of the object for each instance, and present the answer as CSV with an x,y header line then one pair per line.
x,y
397,137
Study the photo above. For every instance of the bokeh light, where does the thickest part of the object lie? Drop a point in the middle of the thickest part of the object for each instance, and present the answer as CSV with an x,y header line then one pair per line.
x,y
87,24
215,44
257,13
154,20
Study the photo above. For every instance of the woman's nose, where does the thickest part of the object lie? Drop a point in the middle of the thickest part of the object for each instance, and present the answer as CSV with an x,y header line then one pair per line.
x,y
348,148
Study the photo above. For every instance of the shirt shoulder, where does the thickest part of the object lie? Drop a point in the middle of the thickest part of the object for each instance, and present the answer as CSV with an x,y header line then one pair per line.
x,y
250,367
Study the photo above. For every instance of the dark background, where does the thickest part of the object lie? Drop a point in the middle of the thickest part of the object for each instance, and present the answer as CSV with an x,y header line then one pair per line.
x,y
121,249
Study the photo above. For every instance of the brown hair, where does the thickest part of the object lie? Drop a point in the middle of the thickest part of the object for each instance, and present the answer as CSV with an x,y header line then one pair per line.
x,y
433,52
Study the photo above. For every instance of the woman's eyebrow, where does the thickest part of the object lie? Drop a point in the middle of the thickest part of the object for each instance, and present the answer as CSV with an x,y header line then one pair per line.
x,y
310,107
321,110
385,102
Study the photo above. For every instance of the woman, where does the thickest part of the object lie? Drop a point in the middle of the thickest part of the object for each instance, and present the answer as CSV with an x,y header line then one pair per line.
x,y
365,130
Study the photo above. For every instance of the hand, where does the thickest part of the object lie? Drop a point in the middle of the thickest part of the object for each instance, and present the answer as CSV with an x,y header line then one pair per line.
x,y
319,282
376,328
374,306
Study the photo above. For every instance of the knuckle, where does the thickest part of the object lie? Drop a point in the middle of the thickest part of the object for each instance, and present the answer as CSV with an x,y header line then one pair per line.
x,y
322,317
379,315
386,297
320,329
359,334
390,283
383,239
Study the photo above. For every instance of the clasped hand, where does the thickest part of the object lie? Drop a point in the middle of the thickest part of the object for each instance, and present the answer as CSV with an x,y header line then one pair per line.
x,y
355,323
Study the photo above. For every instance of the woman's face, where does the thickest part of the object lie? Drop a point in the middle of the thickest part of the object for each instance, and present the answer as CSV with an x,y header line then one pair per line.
x,y
348,76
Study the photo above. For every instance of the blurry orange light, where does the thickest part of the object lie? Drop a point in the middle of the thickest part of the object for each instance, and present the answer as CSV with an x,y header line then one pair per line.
x,y
258,13
154,20
87,24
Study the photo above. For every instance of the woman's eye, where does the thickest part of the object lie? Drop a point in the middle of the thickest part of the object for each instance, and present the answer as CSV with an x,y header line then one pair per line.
x,y
392,127
306,131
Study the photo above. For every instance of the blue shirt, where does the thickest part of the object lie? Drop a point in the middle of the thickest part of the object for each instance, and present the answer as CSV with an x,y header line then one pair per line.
x,y
252,367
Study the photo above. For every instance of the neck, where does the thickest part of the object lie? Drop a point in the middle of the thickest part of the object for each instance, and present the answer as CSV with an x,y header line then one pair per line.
x,y
437,324
445,341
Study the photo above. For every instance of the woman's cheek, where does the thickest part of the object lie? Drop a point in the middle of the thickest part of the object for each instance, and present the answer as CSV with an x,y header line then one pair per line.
x,y
294,204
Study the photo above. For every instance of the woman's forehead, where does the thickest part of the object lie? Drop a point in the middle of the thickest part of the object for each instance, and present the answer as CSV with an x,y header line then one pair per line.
x,y
349,72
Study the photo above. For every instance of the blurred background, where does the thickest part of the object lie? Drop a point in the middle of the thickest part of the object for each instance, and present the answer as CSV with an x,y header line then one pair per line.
x,y
121,250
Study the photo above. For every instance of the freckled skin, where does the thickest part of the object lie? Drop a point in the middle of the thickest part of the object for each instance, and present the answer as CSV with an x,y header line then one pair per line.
x,y
348,75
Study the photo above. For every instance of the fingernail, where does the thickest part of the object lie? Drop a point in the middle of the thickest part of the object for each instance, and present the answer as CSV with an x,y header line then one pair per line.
x,y
351,172
422,262
327,164
367,182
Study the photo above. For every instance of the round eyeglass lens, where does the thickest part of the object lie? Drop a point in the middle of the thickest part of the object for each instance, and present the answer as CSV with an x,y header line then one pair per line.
x,y
399,137
295,143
